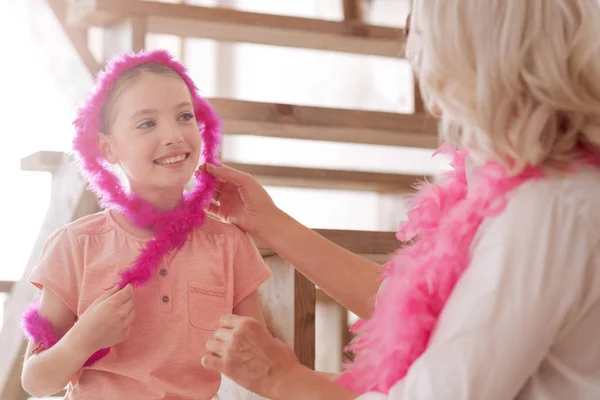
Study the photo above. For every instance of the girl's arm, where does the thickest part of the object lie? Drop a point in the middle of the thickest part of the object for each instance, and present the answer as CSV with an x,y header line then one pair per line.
x,y
250,307
105,323
49,371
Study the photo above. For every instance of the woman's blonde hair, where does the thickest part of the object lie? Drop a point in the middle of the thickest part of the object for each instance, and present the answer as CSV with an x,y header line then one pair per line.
x,y
518,80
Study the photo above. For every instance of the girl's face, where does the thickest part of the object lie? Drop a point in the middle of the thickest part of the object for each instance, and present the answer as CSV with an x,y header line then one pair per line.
x,y
153,134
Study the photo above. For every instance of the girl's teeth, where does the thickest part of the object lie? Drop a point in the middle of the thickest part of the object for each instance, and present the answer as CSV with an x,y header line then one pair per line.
x,y
172,160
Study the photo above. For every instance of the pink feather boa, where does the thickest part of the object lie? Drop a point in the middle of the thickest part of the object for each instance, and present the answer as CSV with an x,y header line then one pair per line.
x,y
172,227
420,277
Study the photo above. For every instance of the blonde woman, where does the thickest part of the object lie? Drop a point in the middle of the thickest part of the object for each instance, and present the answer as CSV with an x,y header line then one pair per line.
x,y
499,296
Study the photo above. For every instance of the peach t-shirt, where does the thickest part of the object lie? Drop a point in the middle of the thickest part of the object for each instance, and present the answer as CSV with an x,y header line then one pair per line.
x,y
177,311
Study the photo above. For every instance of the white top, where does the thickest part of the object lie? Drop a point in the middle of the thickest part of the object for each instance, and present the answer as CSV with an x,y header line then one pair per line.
x,y
524,320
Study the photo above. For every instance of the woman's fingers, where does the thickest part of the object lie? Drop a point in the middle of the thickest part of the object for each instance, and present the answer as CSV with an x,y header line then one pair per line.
x,y
223,335
232,320
211,361
225,173
213,208
215,347
219,185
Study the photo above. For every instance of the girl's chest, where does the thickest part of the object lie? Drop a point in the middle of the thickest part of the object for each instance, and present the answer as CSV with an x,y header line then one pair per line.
x,y
180,278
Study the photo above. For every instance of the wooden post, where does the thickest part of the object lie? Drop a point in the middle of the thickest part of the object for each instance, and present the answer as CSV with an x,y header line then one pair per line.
x,y
353,10
127,35
288,301
69,201
76,35
331,328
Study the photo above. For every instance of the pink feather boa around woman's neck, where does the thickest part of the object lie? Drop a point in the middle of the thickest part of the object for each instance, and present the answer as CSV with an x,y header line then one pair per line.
x,y
171,228
420,278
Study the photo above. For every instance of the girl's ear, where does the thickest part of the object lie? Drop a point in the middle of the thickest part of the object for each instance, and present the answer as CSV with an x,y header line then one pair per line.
x,y
104,143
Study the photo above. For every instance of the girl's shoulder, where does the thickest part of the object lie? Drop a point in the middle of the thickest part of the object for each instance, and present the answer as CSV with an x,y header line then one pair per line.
x,y
91,224
213,225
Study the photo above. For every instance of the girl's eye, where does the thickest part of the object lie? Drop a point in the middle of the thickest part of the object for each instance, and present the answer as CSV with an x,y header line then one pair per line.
x,y
146,125
186,116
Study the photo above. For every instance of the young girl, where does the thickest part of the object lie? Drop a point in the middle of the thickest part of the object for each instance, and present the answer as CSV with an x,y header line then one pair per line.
x,y
171,273
498,295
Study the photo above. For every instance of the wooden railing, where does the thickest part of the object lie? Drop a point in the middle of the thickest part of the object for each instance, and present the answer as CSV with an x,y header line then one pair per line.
x,y
69,201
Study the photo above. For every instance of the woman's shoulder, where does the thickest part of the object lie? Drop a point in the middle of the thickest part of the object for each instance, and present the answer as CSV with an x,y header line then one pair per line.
x,y
576,193
559,204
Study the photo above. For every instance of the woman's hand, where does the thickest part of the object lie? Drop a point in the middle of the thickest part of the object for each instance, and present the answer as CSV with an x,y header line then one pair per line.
x,y
244,350
240,199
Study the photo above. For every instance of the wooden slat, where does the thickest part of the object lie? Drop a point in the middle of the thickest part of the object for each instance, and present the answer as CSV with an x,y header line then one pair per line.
x,y
127,35
328,179
328,124
6,286
69,201
289,302
43,161
77,36
241,26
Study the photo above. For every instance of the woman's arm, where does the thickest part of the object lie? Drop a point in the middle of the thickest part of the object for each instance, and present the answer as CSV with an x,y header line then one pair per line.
x,y
346,277
303,383
523,292
49,371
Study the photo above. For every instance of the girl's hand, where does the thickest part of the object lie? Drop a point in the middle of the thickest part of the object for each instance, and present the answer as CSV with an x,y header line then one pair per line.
x,y
244,350
240,199
107,321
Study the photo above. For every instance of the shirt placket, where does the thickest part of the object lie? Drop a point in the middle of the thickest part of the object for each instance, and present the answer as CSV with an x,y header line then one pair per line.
x,y
165,293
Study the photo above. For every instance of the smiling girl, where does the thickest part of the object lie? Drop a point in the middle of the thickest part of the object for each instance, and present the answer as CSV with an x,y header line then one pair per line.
x,y
178,272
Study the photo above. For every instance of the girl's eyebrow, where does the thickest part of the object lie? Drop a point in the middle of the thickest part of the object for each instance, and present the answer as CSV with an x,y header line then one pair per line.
x,y
142,112
148,111
183,104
